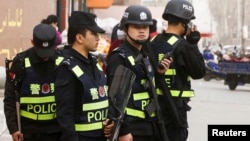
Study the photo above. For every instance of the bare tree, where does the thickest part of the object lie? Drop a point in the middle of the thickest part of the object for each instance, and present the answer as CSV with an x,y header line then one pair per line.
x,y
224,13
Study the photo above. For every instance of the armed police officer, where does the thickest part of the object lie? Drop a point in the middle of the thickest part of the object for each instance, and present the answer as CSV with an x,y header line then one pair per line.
x,y
179,41
80,87
29,103
137,124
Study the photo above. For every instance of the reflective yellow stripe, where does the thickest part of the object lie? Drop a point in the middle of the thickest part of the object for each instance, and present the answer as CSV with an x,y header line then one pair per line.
x,y
37,116
35,100
95,106
158,91
131,60
143,81
59,60
140,96
175,93
27,62
172,40
88,126
78,71
170,72
137,113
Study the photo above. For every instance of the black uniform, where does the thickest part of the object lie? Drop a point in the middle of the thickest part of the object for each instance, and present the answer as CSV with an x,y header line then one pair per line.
x,y
136,120
33,81
187,62
81,97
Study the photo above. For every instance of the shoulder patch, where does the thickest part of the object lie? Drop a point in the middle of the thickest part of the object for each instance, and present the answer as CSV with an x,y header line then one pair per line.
x,y
172,40
67,61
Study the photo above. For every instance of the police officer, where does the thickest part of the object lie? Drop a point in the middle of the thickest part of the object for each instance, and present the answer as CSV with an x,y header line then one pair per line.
x,y
81,90
30,84
137,124
179,40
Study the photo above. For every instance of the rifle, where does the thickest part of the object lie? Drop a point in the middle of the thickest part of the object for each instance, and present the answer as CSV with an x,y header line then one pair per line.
x,y
7,67
167,98
119,93
154,105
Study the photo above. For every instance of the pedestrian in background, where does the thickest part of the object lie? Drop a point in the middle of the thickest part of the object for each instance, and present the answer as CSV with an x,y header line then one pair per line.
x,y
116,40
153,29
80,87
30,82
53,21
179,41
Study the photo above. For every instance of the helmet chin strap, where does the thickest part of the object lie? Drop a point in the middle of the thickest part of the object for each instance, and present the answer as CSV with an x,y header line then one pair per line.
x,y
186,28
139,42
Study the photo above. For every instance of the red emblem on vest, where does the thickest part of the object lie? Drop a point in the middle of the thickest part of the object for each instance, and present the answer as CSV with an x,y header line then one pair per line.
x,y
101,91
45,89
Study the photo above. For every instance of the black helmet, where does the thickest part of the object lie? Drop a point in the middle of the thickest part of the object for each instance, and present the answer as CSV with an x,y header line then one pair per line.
x,y
179,8
136,14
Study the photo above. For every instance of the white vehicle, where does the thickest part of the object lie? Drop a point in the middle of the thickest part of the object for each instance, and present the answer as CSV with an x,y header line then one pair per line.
x,y
247,51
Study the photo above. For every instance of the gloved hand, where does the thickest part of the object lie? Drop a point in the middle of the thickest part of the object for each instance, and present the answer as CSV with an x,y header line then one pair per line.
x,y
193,37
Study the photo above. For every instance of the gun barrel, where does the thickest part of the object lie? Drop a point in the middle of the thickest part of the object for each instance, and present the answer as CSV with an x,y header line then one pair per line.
x,y
18,115
153,95
115,131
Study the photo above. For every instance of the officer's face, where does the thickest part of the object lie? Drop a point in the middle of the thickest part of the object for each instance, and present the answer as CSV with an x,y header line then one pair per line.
x,y
90,41
138,32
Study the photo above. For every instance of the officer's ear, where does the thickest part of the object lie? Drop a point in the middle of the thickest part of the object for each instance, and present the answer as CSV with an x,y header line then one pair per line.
x,y
32,42
79,38
125,28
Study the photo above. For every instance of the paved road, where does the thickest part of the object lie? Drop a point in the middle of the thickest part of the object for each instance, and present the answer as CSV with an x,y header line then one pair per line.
x,y
213,104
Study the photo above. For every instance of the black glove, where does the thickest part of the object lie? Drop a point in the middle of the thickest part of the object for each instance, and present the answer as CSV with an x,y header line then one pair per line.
x,y
193,37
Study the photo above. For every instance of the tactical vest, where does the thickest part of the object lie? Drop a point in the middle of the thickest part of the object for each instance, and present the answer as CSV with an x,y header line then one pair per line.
x,y
140,97
94,100
161,47
37,101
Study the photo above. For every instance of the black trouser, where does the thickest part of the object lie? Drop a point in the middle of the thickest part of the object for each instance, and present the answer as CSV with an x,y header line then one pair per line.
x,y
43,137
178,134
146,134
83,138
145,138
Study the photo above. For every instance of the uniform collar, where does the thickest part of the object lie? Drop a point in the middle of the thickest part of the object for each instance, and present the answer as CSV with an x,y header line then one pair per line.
x,y
133,49
80,57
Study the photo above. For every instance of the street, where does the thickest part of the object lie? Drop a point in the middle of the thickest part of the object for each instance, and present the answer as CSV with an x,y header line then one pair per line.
x,y
214,103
